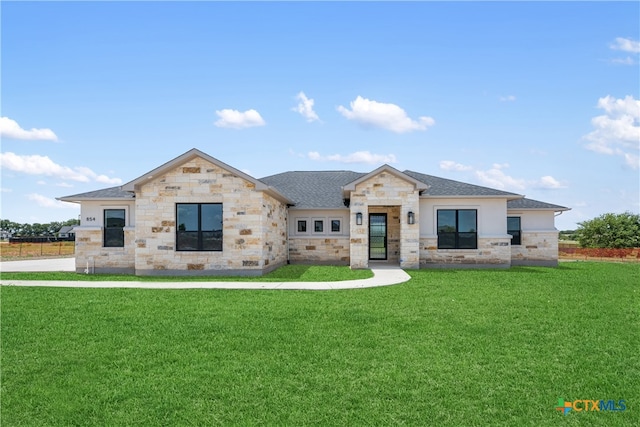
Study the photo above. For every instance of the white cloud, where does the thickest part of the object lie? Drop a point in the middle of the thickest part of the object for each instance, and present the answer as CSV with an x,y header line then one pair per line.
x,y
238,120
11,129
385,116
626,45
43,165
357,157
496,178
549,182
508,98
617,132
47,202
5,190
305,107
450,165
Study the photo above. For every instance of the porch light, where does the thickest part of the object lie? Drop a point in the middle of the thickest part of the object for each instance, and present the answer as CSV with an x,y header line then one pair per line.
x,y
411,217
359,218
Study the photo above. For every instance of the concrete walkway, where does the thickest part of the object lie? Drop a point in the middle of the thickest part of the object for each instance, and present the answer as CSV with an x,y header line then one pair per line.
x,y
383,275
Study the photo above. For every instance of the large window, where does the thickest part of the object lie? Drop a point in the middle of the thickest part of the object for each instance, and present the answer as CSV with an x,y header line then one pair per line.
x,y
457,229
199,227
114,220
513,228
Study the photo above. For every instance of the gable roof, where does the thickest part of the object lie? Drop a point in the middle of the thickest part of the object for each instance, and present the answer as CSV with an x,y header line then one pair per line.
x,y
66,229
450,188
419,185
321,189
525,204
192,154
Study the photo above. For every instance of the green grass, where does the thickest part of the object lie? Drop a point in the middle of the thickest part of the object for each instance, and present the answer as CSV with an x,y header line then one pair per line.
x,y
287,273
458,348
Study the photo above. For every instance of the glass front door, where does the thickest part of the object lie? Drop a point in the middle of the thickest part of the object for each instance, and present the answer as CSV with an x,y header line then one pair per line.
x,y
377,236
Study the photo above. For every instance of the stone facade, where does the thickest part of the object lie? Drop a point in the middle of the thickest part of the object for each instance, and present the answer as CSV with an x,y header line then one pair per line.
x,y
491,252
537,248
92,256
319,250
253,223
385,191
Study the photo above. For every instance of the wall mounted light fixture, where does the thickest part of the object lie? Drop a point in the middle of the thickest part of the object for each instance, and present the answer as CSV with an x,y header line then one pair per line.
x,y
411,217
359,218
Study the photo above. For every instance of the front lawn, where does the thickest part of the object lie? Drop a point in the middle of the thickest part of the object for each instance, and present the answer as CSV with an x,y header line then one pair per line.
x,y
287,273
453,347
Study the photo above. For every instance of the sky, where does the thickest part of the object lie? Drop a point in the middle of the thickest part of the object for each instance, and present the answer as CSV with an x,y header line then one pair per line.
x,y
539,98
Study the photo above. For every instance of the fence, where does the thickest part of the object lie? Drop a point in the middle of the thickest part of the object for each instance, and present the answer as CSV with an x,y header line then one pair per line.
x,y
622,254
22,249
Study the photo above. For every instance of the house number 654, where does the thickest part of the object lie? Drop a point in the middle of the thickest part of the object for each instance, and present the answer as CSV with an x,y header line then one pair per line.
x,y
90,218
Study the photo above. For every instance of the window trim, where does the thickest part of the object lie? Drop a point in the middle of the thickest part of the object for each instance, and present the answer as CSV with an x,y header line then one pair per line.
x,y
515,241
457,234
105,228
200,241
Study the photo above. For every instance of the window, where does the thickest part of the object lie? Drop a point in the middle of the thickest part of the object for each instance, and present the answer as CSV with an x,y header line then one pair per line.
x,y
335,225
513,228
199,227
318,226
114,228
302,226
457,229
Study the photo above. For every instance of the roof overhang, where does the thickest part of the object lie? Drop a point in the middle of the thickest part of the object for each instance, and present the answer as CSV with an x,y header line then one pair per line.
x,y
507,197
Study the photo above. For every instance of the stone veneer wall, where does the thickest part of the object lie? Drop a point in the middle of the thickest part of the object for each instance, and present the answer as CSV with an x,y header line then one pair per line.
x,y
246,215
274,226
537,248
385,189
493,252
319,250
90,252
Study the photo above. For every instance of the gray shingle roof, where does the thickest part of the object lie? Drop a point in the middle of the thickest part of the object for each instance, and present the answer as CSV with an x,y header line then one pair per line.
x,y
533,204
448,187
105,193
323,190
320,189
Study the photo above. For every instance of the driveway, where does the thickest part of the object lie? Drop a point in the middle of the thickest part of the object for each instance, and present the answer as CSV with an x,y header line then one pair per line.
x,y
54,264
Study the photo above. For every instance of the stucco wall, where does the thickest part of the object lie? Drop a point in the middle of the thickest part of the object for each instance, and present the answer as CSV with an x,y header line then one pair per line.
x,y
492,214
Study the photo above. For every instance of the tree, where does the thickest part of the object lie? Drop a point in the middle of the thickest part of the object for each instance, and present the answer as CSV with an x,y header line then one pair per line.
x,y
610,231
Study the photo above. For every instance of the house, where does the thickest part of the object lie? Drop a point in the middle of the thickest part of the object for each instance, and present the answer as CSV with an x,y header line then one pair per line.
x,y
67,232
198,215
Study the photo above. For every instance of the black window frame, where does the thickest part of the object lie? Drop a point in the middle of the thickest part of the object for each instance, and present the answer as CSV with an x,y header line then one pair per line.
x,y
319,222
113,233
335,221
200,234
303,223
516,235
458,237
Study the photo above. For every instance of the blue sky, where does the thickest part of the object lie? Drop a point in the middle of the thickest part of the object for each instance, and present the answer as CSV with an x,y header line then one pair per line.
x,y
541,98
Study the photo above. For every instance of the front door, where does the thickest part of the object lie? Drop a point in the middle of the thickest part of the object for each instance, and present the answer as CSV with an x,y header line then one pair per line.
x,y
377,236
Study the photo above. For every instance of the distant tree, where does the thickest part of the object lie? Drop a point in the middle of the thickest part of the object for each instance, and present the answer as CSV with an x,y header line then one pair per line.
x,y
610,231
36,229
